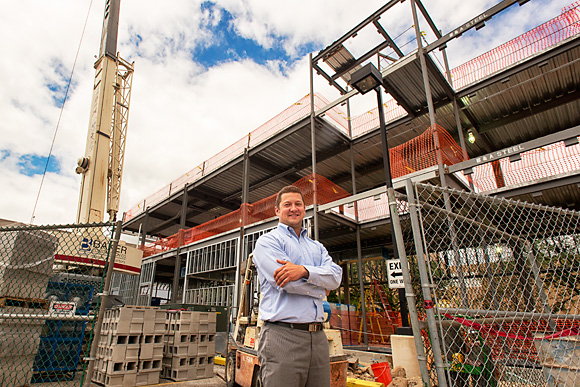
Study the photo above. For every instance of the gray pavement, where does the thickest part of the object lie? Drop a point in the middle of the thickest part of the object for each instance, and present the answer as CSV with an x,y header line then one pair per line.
x,y
216,381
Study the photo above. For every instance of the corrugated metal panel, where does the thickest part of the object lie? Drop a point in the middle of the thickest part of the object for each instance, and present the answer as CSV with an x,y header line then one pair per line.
x,y
408,85
341,59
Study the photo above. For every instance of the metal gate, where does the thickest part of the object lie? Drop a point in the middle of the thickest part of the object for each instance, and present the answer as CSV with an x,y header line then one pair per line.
x,y
49,280
495,284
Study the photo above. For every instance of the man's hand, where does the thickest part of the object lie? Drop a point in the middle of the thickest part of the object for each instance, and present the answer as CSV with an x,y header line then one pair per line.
x,y
289,272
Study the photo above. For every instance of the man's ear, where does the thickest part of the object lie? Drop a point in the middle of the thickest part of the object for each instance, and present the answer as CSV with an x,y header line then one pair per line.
x,y
277,211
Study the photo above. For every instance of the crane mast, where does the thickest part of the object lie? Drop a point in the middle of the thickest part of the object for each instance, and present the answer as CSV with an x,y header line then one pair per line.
x,y
102,165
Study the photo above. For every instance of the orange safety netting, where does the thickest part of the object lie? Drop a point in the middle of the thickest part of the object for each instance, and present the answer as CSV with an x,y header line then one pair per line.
x,y
422,152
248,214
536,40
414,155
534,165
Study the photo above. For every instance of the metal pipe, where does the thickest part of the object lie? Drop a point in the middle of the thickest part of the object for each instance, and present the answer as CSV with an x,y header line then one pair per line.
x,y
411,299
177,268
51,317
184,295
361,286
425,285
389,183
144,227
503,313
423,64
358,245
238,298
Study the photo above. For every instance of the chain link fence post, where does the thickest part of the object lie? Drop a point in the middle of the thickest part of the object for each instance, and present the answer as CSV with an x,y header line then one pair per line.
x,y
410,295
425,285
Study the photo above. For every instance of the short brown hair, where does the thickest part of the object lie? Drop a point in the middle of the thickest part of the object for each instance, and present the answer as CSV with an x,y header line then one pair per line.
x,y
288,189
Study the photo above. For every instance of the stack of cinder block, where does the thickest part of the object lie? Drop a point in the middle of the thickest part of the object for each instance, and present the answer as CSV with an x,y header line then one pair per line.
x,y
130,351
189,345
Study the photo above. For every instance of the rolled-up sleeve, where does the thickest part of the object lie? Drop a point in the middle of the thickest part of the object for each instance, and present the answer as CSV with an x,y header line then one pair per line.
x,y
328,275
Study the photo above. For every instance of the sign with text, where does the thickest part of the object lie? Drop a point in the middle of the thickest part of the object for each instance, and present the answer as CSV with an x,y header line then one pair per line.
x,y
62,309
395,274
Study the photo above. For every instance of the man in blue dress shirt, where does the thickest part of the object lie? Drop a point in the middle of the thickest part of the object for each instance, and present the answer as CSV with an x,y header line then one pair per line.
x,y
295,274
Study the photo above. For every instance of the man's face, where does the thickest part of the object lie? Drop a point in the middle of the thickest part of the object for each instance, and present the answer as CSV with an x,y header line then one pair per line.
x,y
291,211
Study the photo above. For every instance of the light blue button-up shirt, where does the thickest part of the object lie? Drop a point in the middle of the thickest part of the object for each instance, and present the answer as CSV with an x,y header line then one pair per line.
x,y
299,301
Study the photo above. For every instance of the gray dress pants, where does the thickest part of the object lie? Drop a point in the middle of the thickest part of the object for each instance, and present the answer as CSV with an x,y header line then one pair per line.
x,y
293,358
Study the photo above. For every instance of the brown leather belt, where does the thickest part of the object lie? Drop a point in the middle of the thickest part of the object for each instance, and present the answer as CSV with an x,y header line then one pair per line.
x,y
310,327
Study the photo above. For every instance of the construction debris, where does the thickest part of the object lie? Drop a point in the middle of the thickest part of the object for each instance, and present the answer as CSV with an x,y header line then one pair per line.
x,y
362,371
359,370
398,372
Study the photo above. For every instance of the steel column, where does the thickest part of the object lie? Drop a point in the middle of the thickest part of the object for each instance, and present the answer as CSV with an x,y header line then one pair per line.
x,y
313,150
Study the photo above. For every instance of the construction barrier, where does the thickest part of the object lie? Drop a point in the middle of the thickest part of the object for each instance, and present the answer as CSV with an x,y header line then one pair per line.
x,y
541,163
248,214
532,42
49,280
424,151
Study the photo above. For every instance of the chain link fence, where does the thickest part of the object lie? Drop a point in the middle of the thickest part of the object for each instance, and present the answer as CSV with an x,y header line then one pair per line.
x,y
50,277
496,282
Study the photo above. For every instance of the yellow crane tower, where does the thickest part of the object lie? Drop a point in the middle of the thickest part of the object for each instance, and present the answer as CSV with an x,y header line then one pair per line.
x,y
101,168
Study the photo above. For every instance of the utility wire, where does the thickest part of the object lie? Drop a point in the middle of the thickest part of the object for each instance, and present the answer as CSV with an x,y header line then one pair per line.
x,y
61,111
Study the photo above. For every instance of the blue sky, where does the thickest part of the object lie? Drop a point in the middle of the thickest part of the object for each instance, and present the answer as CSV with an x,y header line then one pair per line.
x,y
206,74
230,46
31,164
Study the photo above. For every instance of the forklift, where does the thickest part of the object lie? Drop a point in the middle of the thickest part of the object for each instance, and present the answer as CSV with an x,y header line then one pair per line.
x,y
242,365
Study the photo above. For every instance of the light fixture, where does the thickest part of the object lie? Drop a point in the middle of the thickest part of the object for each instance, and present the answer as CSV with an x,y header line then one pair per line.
x,y
366,78
470,136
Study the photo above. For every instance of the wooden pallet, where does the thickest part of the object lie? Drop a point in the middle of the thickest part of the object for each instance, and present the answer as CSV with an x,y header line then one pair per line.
x,y
33,303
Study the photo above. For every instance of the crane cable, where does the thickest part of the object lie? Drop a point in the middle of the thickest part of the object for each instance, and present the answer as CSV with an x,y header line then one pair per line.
x,y
61,111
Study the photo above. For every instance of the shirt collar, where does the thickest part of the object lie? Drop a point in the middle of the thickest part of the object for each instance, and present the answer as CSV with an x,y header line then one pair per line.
x,y
290,230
